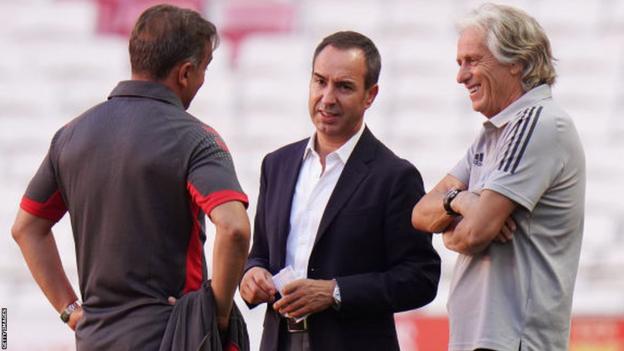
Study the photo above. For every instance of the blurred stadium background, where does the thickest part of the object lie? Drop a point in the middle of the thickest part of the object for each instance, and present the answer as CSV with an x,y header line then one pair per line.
x,y
59,57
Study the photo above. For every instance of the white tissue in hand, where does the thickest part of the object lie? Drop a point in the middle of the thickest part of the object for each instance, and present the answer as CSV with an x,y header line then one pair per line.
x,y
281,279
285,276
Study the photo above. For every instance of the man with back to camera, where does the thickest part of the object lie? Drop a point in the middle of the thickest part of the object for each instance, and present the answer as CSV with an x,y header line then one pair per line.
x,y
336,208
137,174
513,207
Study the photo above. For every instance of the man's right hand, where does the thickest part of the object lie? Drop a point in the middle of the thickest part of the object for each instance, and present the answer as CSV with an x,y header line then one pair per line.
x,y
257,286
507,231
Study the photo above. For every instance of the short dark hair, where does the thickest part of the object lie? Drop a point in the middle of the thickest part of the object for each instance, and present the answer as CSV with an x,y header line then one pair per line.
x,y
353,40
164,35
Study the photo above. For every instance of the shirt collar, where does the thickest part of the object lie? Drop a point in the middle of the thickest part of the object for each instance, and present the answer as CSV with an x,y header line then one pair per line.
x,y
512,111
147,89
343,152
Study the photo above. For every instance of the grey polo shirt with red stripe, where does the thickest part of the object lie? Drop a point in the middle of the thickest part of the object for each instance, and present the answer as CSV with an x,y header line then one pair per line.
x,y
137,175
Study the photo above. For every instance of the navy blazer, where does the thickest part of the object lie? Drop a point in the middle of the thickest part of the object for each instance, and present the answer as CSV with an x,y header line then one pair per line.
x,y
365,241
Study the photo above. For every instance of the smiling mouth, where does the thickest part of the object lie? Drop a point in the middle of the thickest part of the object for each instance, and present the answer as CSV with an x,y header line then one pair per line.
x,y
474,89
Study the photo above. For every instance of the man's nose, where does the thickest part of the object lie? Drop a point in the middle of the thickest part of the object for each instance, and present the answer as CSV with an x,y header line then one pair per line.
x,y
463,74
329,96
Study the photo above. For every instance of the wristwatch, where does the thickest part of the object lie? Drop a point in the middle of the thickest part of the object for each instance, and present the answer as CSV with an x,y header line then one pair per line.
x,y
446,202
336,296
69,310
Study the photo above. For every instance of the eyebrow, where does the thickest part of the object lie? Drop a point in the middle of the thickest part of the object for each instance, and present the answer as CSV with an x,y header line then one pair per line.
x,y
468,57
348,81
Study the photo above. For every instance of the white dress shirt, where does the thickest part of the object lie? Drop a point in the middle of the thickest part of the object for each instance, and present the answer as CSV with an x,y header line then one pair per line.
x,y
312,192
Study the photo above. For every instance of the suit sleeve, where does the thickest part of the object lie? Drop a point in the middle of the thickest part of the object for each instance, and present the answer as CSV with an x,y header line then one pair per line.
x,y
259,255
411,278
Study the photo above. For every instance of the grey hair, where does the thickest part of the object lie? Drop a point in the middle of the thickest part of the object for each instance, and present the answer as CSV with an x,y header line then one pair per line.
x,y
515,37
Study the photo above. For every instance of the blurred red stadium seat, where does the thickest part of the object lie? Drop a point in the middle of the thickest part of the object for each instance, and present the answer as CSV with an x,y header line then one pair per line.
x,y
243,18
118,16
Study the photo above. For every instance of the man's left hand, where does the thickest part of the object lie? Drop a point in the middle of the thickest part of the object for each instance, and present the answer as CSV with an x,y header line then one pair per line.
x,y
305,296
74,318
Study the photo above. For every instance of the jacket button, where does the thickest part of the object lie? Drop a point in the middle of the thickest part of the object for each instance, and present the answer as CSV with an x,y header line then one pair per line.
x,y
311,269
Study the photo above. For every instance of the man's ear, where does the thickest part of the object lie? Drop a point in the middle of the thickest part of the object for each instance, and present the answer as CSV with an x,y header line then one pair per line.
x,y
371,94
516,68
184,72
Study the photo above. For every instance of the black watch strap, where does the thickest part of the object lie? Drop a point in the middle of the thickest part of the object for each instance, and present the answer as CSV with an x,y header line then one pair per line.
x,y
446,202
69,310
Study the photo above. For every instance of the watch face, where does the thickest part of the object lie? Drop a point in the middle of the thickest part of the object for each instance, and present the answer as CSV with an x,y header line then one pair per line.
x,y
336,294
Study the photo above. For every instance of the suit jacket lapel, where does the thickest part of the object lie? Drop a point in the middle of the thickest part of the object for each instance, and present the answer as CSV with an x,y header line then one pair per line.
x,y
291,166
352,175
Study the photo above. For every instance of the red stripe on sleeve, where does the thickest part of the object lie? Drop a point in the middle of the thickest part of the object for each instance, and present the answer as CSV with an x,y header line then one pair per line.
x,y
53,209
209,202
194,273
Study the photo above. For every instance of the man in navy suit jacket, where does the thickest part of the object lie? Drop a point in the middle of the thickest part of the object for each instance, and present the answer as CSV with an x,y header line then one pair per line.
x,y
336,208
